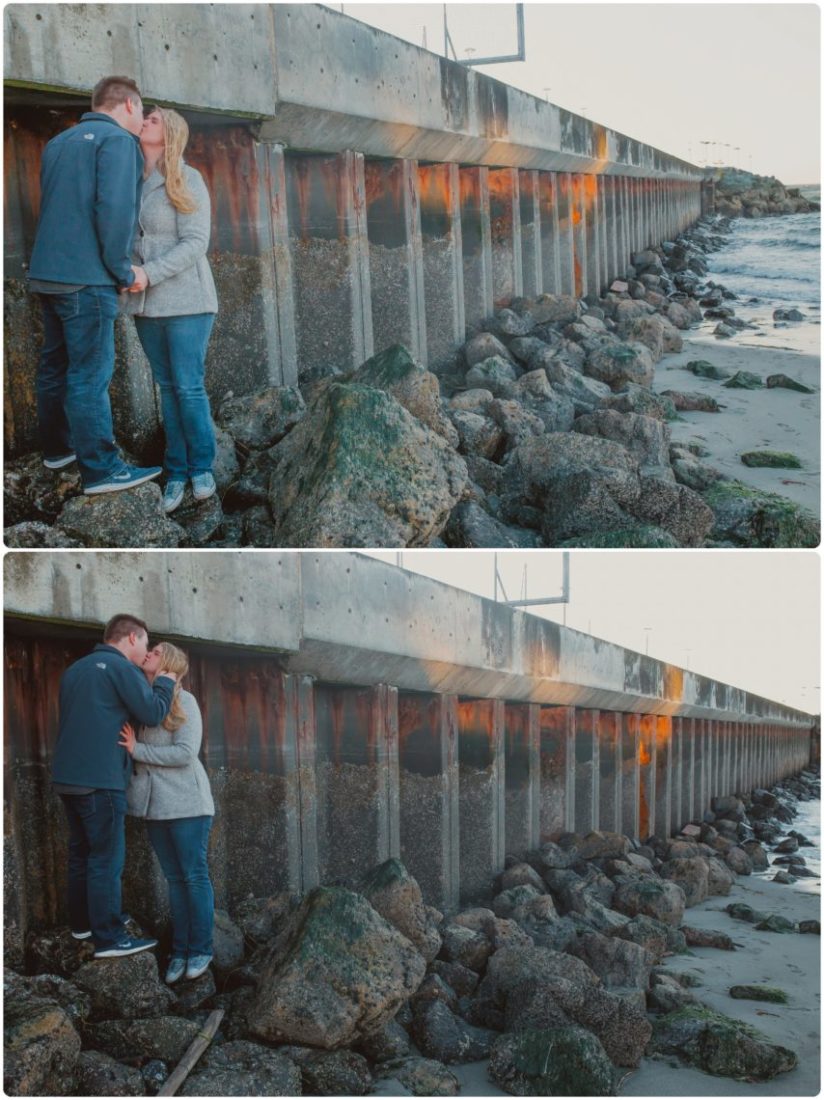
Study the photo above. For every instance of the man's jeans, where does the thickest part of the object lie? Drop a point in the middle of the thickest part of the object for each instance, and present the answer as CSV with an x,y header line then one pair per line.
x,y
182,845
176,350
97,852
73,377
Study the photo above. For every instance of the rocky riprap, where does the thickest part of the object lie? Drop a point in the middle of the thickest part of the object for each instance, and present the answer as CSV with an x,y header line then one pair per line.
x,y
558,979
740,194
546,431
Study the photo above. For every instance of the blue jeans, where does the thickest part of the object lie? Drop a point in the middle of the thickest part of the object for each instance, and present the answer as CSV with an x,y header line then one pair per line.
x,y
73,376
176,350
181,845
97,852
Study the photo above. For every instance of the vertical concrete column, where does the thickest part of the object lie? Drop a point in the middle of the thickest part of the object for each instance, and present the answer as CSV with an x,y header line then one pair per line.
x,y
663,775
592,217
505,219
428,782
700,768
557,804
609,756
550,233
688,774
476,235
604,226
637,222
586,770
523,777
630,732
647,776
395,255
441,243
357,779
579,235
614,264
279,322
677,771
481,787
625,222
330,260
762,754
307,783
531,238
566,232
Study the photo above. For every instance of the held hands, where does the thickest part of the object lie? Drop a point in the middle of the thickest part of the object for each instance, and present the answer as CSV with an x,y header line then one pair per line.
x,y
128,738
141,280
170,675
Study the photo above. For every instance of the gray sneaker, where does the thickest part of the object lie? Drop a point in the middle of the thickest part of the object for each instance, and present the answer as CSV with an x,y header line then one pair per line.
x,y
203,486
125,477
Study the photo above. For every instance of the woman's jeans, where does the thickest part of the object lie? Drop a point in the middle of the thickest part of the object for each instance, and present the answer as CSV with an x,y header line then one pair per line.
x,y
97,850
176,350
181,845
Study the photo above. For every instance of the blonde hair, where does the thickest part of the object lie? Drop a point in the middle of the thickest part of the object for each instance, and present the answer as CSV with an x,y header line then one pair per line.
x,y
173,659
170,165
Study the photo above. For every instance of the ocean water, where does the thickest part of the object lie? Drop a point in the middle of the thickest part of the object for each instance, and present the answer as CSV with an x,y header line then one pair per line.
x,y
808,823
773,263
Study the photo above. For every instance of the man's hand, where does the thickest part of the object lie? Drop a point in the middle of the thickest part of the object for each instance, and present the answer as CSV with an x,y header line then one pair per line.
x,y
140,280
163,672
127,738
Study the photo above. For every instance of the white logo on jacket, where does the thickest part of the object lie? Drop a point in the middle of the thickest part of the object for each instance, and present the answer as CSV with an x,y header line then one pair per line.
x,y
101,664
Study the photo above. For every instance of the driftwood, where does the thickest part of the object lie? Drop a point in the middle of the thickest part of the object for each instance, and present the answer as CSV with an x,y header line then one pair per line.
x,y
189,1059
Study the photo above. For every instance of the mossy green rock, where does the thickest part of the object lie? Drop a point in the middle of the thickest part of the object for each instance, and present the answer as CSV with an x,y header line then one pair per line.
x,y
749,517
336,973
720,1045
785,382
739,911
644,536
702,369
774,923
565,1061
759,993
782,460
743,380
395,372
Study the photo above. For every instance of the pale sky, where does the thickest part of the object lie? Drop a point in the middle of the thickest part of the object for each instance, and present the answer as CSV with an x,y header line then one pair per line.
x,y
748,618
671,75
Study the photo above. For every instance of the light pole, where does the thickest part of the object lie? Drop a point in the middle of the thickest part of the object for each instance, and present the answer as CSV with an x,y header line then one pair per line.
x,y
648,631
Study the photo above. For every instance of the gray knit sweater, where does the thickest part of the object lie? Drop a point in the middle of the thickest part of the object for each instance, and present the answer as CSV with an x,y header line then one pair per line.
x,y
169,781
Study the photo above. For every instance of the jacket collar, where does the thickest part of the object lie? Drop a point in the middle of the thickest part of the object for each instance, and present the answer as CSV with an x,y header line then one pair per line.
x,y
109,649
98,116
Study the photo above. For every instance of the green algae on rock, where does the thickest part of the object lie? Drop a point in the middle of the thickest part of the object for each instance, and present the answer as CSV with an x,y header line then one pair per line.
x,y
743,380
783,381
783,460
702,369
775,923
759,993
720,1045
746,516
564,1061
644,536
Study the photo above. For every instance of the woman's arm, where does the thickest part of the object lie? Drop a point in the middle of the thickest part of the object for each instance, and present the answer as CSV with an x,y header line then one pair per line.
x,y
183,750
193,237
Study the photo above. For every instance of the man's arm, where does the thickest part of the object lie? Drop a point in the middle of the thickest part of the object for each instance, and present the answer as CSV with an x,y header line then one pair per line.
x,y
115,211
148,703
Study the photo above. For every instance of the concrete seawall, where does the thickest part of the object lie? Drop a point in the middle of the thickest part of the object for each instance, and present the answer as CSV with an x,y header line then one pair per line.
x,y
364,191
354,711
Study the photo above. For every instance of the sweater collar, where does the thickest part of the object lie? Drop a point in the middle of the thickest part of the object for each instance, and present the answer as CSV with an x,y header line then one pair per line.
x,y
154,181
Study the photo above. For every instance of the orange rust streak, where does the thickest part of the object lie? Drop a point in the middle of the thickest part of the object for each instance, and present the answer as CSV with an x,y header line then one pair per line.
x,y
435,191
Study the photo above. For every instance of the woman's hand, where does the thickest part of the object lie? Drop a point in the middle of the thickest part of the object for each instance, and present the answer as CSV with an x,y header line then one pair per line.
x,y
128,738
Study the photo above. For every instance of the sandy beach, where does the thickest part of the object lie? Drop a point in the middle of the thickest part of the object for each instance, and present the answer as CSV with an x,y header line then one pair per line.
x,y
763,419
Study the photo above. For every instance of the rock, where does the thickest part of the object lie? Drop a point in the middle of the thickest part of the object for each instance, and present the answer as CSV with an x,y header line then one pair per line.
x,y
75,1003
164,1037
36,535
621,1026
702,369
584,393
508,902
258,420
691,875
720,1045
520,874
739,911
811,927
674,508
743,380
509,323
720,878
125,989
651,935
475,401
330,1072
514,973
191,995
562,1062
241,1068
787,383
759,993
738,860
639,399
646,438
598,844
758,856
337,972
706,937
484,346
692,401
516,422
540,921
465,946
689,471
788,315
225,468
782,460
228,946
395,372
775,923
154,1074
637,536
667,995
359,470
97,1074
422,1077
619,963
442,1035
662,900
396,895
723,331
41,1046
134,517
618,364
552,308
31,492
385,1045
57,952
458,977
496,375
478,434
749,517
200,520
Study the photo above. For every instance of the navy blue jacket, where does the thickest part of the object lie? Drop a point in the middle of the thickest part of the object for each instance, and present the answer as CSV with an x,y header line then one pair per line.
x,y
98,694
91,177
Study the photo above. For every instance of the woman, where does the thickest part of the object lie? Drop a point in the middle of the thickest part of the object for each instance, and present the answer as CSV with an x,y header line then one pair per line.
x,y
175,313
170,789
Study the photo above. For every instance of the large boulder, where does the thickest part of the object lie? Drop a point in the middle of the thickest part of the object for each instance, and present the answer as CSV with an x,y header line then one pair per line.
x,y
125,989
566,1061
662,900
749,517
31,492
691,875
557,308
617,364
496,375
97,1074
395,372
330,1072
359,470
619,963
484,346
164,1037
41,1046
241,1068
655,332
396,895
645,437
720,1045
471,527
133,518
442,1035
261,419
673,507
337,972
720,878
478,434
421,1076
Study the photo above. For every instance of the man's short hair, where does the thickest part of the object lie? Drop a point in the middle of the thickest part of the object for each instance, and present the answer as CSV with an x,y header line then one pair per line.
x,y
121,626
111,91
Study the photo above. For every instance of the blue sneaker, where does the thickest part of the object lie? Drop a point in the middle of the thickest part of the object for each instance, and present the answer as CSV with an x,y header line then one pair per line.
x,y
59,462
175,970
129,946
198,964
125,477
203,486
173,495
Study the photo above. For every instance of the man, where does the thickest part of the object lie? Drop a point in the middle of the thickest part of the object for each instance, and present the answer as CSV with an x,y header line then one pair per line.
x,y
91,178
91,771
